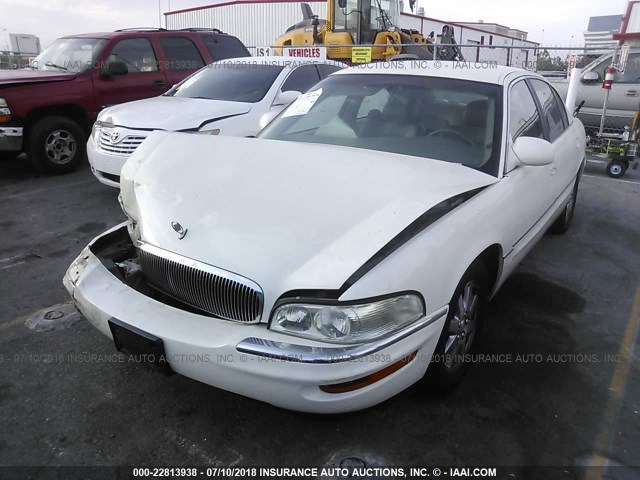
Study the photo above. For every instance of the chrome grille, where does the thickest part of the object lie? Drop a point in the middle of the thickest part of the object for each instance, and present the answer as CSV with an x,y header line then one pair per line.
x,y
126,146
209,289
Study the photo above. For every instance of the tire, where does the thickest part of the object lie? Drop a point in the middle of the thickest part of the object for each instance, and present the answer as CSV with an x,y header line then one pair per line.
x,y
460,333
56,145
617,168
563,222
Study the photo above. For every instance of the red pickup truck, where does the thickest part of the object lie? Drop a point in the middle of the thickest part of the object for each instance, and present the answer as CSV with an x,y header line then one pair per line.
x,y
47,110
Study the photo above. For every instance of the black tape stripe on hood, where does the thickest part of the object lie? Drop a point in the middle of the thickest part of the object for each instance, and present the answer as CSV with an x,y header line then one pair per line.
x,y
414,228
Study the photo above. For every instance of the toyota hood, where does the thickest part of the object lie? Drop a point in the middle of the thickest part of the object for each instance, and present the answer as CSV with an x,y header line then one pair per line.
x,y
286,215
171,113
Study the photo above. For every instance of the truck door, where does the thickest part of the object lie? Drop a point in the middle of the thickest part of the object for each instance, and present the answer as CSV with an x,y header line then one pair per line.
x,y
625,94
143,77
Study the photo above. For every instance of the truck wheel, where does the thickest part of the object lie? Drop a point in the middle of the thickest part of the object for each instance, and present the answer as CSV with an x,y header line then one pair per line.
x,y
617,168
460,333
56,145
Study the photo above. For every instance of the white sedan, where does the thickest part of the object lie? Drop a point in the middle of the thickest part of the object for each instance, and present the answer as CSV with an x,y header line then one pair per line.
x,y
237,96
346,253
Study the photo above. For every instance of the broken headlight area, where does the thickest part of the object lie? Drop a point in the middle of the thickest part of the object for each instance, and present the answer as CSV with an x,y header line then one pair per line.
x,y
119,255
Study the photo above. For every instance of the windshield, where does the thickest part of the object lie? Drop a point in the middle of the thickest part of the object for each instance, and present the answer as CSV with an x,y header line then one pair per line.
x,y
233,82
69,54
455,121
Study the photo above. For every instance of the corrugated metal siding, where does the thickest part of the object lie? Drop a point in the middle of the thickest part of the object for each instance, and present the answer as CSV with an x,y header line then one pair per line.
x,y
259,24
255,24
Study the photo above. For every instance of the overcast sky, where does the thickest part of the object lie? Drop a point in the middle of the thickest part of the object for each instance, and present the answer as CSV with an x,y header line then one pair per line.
x,y
552,22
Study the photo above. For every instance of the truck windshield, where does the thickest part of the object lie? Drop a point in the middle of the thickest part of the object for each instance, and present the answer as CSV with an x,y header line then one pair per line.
x,y
446,119
69,54
241,81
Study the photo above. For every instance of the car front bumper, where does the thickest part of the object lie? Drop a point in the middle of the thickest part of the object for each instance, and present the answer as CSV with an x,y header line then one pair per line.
x,y
249,359
105,166
11,139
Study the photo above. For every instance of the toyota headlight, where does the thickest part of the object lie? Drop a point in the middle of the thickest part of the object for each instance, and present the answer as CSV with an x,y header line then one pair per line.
x,y
99,125
213,131
340,323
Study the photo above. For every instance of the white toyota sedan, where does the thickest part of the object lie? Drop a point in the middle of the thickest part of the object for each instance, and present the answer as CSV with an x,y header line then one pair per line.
x,y
346,253
237,96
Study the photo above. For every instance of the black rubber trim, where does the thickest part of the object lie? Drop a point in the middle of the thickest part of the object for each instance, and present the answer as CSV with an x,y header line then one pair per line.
x,y
418,225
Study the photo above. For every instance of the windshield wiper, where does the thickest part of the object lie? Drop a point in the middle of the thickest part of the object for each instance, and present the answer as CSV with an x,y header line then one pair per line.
x,y
51,64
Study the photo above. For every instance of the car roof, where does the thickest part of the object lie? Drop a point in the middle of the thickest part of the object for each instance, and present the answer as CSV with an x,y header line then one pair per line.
x,y
279,60
484,72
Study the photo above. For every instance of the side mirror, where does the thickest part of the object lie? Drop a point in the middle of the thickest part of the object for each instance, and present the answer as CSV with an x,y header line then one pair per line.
x,y
533,151
590,77
342,3
286,98
115,68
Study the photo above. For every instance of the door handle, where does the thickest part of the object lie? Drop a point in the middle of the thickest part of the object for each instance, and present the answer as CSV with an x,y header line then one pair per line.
x,y
159,83
631,93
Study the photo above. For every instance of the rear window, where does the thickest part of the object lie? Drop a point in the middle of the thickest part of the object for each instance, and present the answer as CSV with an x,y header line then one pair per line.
x,y
224,46
181,53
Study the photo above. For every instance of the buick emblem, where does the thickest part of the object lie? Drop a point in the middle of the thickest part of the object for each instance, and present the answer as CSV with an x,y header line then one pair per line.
x,y
115,136
179,229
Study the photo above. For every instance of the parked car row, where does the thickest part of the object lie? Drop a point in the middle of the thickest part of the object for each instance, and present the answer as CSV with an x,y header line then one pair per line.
x,y
47,110
231,97
346,252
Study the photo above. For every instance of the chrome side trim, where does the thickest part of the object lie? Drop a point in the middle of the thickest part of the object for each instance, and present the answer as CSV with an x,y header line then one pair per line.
x,y
307,354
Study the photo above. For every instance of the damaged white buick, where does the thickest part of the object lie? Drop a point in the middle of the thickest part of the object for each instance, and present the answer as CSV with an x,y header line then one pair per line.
x,y
349,251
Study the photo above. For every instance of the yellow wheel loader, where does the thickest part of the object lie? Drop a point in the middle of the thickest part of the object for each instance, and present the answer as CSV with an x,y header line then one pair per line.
x,y
366,22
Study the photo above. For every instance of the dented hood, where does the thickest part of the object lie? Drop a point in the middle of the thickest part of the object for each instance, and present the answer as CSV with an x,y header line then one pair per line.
x,y
172,113
286,215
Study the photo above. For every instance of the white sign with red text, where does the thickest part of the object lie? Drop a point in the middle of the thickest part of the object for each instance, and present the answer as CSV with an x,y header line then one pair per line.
x,y
310,52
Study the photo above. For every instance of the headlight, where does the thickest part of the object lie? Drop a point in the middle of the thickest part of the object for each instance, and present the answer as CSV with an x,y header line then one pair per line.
x,y
341,323
214,131
5,113
99,125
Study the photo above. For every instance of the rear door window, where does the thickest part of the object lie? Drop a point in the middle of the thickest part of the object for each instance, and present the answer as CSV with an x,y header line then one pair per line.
x,y
326,70
224,46
136,53
301,79
180,53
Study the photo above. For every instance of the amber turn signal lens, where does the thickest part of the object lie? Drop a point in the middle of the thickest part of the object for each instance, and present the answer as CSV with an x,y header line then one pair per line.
x,y
369,379
5,118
